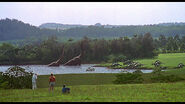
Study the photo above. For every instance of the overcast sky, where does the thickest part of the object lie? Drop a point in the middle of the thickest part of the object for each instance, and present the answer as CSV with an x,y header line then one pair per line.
x,y
89,13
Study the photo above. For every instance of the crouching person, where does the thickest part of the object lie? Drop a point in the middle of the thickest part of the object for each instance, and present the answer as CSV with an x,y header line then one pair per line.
x,y
65,90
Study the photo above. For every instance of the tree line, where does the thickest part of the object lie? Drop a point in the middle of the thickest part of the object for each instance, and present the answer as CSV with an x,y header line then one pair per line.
x,y
170,44
95,50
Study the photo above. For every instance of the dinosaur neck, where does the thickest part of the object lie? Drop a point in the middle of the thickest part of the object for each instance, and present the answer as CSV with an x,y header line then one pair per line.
x,y
60,59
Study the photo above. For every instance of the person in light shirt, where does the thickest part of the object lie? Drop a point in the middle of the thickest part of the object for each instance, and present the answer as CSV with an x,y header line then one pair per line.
x,y
34,82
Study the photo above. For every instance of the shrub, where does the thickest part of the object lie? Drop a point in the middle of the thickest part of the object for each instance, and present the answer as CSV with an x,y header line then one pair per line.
x,y
17,77
4,85
115,65
110,58
127,62
157,63
166,78
128,78
138,71
181,65
157,70
120,58
134,65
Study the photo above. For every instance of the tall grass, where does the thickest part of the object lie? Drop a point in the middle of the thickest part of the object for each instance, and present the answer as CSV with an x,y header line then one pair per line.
x,y
77,79
157,92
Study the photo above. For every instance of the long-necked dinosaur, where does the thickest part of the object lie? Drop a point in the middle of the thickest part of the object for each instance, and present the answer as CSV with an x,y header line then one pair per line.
x,y
57,63
76,60
73,62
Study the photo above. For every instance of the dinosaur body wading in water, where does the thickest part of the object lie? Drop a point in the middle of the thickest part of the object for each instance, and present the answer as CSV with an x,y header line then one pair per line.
x,y
73,62
57,63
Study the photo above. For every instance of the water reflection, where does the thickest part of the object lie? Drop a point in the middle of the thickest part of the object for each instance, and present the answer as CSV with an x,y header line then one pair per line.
x,y
45,70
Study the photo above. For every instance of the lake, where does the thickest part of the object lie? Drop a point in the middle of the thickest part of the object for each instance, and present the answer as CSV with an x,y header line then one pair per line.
x,y
45,70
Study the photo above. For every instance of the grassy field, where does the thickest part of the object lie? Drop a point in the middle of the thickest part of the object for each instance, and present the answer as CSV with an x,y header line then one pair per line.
x,y
94,78
77,79
156,92
169,60
99,88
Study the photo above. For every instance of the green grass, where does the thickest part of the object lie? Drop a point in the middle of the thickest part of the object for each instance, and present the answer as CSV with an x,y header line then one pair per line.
x,y
94,78
156,92
77,79
169,60
99,88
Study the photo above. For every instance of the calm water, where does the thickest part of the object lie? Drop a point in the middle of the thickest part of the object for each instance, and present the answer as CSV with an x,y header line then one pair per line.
x,y
45,70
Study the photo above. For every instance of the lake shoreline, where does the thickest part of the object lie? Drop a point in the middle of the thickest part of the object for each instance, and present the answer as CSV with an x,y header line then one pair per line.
x,y
36,64
45,70
126,68
84,64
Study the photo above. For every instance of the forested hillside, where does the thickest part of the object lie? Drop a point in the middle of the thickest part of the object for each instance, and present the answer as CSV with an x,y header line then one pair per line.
x,y
96,31
12,29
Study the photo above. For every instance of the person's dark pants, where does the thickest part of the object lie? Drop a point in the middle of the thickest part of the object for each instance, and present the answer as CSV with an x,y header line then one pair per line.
x,y
67,90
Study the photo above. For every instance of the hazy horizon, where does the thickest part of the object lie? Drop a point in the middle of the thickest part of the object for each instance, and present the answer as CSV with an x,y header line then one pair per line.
x,y
90,13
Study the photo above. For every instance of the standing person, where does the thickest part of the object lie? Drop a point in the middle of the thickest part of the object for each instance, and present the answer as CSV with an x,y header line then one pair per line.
x,y
34,83
51,82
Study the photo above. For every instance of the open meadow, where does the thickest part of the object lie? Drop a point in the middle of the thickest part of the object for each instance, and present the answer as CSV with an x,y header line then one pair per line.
x,y
94,88
155,92
99,87
169,60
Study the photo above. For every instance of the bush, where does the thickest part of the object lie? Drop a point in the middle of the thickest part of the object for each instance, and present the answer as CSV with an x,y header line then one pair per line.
x,y
124,78
160,77
16,77
120,58
115,65
138,71
166,78
181,65
127,62
134,65
157,70
4,85
157,63
110,58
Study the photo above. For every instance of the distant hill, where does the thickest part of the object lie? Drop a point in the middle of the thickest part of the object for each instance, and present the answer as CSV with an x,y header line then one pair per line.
x,y
59,26
12,29
172,24
68,26
121,31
